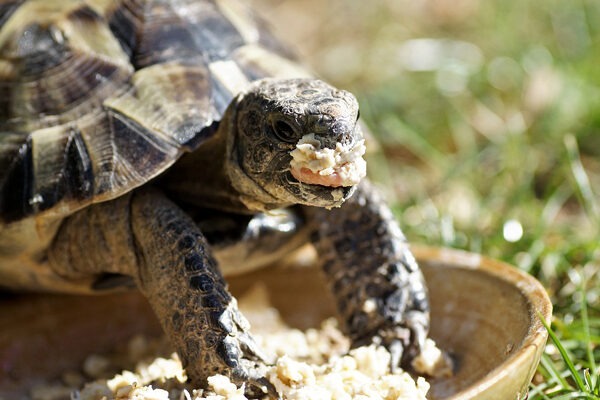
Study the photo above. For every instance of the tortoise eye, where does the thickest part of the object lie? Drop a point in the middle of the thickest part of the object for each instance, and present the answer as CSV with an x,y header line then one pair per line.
x,y
284,132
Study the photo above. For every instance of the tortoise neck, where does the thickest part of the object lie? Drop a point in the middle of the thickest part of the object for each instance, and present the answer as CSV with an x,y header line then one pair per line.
x,y
212,176
250,193
200,178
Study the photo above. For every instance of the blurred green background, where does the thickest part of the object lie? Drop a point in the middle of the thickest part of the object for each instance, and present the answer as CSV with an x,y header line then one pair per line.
x,y
488,118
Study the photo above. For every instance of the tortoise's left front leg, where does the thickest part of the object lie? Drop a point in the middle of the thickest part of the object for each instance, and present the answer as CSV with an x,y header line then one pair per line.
x,y
377,283
149,238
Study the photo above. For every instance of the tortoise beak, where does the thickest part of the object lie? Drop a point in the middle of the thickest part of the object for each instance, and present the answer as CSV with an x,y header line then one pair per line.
x,y
317,195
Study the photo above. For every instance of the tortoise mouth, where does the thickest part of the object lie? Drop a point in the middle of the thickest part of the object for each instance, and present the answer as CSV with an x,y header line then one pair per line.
x,y
315,194
332,180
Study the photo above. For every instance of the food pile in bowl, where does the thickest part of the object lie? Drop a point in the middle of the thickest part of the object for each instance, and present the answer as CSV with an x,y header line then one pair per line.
x,y
316,363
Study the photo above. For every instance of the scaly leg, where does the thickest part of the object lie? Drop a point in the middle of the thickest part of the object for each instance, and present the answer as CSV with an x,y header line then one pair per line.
x,y
377,283
148,237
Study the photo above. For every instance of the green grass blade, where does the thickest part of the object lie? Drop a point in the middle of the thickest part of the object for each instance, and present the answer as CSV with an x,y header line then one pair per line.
x,y
581,178
536,392
576,395
565,356
554,372
590,381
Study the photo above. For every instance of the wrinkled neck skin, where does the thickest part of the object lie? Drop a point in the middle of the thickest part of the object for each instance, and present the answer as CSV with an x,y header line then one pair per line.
x,y
250,193
212,176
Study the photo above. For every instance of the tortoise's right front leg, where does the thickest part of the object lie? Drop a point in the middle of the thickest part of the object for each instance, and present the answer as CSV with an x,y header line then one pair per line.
x,y
149,238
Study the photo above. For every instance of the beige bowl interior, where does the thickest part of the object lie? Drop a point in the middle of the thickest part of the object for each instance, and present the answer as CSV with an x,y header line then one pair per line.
x,y
485,313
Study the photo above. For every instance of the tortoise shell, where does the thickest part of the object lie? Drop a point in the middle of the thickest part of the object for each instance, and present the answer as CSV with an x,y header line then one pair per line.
x,y
97,97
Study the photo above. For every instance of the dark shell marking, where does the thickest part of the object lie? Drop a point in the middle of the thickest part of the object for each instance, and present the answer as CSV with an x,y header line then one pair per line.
x,y
98,97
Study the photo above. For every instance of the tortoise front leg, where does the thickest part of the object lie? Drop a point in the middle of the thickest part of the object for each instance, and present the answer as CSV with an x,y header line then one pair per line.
x,y
187,291
149,238
377,283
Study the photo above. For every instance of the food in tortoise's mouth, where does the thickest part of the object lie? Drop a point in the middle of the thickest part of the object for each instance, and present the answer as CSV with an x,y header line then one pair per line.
x,y
340,167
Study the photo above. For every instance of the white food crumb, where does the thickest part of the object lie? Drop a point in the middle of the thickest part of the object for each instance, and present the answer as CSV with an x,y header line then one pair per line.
x,y
133,392
371,360
363,374
163,368
369,306
225,389
96,391
137,347
346,162
95,365
432,361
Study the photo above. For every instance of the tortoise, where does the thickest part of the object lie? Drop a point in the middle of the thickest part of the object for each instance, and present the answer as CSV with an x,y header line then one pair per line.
x,y
165,144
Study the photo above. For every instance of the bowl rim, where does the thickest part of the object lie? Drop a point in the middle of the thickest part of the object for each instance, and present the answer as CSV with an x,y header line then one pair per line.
x,y
538,303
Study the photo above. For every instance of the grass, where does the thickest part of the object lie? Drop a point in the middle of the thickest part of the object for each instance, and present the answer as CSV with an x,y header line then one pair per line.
x,y
490,139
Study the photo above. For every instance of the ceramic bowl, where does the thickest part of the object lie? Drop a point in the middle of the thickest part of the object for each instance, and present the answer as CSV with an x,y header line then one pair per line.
x,y
485,313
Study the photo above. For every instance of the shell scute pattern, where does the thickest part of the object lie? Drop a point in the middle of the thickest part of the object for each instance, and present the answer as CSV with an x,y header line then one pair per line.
x,y
184,30
98,97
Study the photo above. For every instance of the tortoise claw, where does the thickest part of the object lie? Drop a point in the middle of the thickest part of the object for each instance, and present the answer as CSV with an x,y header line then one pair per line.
x,y
254,375
265,387
251,350
406,342
396,349
418,323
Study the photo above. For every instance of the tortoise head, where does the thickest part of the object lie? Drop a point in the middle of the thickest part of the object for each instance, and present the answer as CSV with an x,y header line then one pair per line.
x,y
295,141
